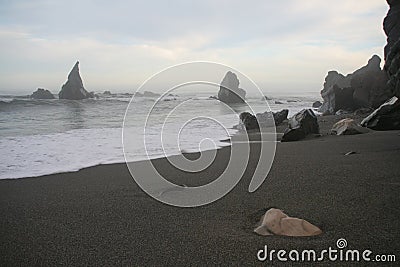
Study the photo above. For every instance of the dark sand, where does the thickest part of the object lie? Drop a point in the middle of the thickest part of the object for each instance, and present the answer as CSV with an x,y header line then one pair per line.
x,y
99,216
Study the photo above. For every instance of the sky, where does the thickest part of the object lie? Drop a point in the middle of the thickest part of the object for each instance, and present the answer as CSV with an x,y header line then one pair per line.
x,y
286,46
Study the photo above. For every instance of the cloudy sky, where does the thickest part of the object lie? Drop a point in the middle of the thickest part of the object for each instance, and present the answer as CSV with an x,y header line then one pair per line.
x,y
282,45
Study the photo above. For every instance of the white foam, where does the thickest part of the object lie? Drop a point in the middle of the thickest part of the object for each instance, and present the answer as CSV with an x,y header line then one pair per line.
x,y
36,155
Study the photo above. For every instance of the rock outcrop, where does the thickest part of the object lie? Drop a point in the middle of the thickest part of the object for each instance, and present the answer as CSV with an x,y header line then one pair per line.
x,y
300,125
42,94
391,26
386,117
366,87
229,91
73,89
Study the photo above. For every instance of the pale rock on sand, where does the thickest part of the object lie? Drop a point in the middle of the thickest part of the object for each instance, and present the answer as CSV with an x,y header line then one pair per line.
x,y
275,222
347,127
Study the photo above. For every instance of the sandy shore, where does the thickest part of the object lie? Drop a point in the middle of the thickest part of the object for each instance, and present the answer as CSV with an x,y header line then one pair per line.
x,y
99,216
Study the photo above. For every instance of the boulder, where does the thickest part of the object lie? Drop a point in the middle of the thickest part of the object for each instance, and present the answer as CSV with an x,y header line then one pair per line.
x,y
229,91
42,94
386,117
268,119
300,125
73,89
280,116
316,104
347,127
249,121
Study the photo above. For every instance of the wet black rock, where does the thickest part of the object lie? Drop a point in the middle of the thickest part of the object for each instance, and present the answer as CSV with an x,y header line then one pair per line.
x,y
249,121
301,125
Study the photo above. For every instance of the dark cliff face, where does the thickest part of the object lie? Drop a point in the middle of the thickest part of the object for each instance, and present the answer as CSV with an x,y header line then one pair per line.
x,y
391,26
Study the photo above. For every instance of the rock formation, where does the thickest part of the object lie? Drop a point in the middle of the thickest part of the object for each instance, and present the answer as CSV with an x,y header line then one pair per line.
x,y
386,117
42,94
300,125
366,87
73,89
229,91
391,26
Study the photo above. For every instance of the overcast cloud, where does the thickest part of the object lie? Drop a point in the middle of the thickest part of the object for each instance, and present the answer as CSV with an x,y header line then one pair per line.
x,y
282,45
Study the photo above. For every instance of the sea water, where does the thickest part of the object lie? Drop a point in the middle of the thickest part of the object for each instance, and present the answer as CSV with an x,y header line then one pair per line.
x,y
39,137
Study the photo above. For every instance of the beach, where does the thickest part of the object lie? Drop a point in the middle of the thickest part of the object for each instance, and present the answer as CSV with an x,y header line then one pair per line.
x,y
100,216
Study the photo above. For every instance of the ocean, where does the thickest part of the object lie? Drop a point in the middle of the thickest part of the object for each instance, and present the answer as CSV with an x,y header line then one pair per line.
x,y
39,137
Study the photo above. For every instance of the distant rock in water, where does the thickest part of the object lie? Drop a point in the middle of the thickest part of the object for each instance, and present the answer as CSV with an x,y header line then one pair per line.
x,y
301,125
366,87
391,26
73,89
107,93
147,94
229,91
386,117
150,94
42,94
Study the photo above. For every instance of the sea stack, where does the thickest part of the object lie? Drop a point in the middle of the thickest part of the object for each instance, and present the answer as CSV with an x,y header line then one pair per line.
x,y
229,91
73,89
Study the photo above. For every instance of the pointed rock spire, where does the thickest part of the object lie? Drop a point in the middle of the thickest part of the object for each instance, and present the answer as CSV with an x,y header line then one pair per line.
x,y
73,89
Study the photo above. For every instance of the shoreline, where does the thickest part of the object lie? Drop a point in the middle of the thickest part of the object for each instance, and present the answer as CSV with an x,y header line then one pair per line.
x,y
100,216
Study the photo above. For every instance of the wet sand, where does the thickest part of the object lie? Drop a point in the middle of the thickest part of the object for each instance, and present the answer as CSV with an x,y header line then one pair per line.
x,y
99,216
